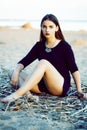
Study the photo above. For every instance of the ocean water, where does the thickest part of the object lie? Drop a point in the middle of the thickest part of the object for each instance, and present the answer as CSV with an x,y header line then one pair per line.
x,y
74,25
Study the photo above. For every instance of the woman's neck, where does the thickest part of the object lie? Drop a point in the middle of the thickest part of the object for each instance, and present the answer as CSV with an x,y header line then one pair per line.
x,y
52,42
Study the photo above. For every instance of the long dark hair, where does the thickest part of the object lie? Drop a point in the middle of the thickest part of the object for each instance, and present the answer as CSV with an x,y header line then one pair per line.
x,y
52,18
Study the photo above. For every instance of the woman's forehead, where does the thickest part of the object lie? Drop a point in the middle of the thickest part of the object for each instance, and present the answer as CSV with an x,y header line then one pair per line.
x,y
48,22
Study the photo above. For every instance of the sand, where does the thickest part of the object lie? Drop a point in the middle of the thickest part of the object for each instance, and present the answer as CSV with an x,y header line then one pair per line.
x,y
50,112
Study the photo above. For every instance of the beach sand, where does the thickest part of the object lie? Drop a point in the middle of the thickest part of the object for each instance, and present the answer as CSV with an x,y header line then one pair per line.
x,y
50,112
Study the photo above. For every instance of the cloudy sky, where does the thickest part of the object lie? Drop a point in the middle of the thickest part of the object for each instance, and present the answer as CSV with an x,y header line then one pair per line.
x,y
36,9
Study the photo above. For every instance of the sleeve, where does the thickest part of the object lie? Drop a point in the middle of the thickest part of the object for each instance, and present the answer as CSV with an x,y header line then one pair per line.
x,y
70,59
31,56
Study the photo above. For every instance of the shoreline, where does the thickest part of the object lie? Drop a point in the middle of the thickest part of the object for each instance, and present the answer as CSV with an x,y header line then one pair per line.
x,y
33,28
65,24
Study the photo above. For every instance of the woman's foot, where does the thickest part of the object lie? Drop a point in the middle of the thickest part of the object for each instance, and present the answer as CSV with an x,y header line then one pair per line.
x,y
10,98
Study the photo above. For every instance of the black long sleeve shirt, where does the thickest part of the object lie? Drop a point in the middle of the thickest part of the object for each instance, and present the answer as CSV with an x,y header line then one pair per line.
x,y
61,57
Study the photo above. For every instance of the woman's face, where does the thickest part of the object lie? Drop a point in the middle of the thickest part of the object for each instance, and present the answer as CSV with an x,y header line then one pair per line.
x,y
49,28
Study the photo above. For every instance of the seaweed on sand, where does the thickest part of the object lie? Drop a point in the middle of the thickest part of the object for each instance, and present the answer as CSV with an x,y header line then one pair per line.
x,y
69,108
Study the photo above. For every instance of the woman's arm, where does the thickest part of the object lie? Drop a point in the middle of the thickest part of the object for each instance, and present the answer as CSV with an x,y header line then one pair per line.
x,y
31,56
19,67
15,74
76,77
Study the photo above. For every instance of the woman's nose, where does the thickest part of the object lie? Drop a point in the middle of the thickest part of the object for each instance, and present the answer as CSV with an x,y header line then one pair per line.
x,y
47,29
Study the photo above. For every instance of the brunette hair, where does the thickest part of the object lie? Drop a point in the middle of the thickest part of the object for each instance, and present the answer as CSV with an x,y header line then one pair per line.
x,y
52,18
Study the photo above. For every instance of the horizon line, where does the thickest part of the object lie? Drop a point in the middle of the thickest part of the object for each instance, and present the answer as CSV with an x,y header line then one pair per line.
x,y
65,20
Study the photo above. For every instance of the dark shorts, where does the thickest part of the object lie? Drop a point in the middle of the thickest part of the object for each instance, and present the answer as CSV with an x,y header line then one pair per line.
x,y
43,88
66,87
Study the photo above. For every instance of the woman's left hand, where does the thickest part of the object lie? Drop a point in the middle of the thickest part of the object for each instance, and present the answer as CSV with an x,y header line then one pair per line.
x,y
85,95
82,95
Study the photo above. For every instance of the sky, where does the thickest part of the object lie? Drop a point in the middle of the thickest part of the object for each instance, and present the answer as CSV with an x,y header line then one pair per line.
x,y
36,9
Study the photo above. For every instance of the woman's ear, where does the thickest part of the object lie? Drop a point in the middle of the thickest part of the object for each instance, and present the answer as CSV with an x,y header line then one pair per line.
x,y
57,28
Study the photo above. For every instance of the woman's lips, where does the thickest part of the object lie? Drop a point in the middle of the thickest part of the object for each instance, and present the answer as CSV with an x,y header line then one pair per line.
x,y
47,34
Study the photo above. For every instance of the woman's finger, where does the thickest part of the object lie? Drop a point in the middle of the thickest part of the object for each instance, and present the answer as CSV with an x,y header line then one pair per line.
x,y
85,95
14,84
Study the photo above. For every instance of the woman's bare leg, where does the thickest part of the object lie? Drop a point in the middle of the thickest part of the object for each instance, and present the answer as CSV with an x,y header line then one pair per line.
x,y
22,77
53,80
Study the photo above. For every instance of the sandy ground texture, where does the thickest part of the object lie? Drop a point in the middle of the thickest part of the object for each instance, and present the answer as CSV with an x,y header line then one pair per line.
x,y
40,112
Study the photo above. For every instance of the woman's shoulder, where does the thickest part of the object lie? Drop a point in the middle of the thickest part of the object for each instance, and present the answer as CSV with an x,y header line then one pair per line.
x,y
65,46
65,43
38,45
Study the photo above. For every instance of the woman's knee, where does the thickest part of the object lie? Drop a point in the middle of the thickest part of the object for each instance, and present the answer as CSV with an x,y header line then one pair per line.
x,y
44,62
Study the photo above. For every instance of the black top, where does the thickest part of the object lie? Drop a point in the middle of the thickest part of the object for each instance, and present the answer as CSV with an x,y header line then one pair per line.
x,y
61,57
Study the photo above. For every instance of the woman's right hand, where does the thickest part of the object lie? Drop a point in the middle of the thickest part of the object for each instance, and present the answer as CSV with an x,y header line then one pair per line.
x,y
15,75
14,79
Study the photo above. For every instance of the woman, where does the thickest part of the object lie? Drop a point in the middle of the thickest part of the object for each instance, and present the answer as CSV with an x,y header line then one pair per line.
x,y
56,61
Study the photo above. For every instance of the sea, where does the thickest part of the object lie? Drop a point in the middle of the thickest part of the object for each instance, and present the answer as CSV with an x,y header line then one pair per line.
x,y
72,25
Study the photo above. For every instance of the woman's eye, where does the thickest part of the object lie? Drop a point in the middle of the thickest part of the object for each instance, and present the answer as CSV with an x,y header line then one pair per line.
x,y
43,26
51,26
